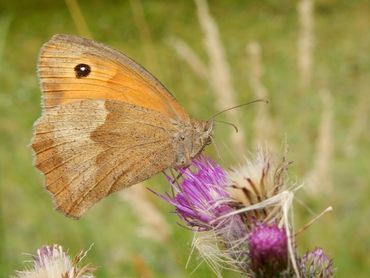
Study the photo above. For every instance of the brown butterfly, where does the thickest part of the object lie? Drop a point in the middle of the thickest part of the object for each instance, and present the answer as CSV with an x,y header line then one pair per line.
x,y
106,124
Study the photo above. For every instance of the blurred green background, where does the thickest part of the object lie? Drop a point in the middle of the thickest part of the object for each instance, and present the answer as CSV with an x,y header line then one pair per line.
x,y
329,139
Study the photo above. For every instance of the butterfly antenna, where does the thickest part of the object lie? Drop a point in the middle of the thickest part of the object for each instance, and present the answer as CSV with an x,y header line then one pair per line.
x,y
237,106
228,123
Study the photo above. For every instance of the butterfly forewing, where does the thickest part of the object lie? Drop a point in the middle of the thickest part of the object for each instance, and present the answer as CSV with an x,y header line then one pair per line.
x,y
112,75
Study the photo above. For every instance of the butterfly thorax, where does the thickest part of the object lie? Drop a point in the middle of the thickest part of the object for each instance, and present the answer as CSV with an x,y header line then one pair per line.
x,y
190,140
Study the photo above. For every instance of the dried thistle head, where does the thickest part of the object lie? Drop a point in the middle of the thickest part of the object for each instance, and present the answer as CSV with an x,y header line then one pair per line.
x,y
259,179
52,262
219,253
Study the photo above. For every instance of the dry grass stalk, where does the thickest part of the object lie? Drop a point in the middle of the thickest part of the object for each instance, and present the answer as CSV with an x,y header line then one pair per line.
x,y
217,72
154,226
188,56
263,126
144,32
318,180
359,124
78,18
305,42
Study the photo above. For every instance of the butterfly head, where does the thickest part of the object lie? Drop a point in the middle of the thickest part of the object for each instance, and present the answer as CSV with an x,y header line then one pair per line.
x,y
192,141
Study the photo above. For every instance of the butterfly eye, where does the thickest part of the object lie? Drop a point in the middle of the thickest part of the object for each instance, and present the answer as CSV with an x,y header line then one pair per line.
x,y
82,70
182,138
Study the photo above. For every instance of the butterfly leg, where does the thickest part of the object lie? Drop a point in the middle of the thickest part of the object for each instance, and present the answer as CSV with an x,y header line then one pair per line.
x,y
175,178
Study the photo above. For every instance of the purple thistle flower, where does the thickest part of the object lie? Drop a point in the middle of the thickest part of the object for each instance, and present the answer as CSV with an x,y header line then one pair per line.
x,y
268,250
316,264
201,198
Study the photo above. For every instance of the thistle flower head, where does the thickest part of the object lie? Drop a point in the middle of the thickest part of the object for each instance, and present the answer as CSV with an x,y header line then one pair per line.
x,y
201,198
52,254
53,262
235,215
316,264
268,250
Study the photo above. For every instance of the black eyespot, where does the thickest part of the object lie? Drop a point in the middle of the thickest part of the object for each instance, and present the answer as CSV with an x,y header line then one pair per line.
x,y
181,138
82,70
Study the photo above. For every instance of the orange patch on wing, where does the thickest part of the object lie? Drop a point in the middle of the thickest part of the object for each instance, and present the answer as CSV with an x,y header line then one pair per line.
x,y
113,76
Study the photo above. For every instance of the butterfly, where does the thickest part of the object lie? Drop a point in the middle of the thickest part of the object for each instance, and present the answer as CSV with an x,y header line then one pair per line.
x,y
106,124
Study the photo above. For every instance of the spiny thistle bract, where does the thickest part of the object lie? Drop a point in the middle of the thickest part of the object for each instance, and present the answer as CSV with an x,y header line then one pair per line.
x,y
316,264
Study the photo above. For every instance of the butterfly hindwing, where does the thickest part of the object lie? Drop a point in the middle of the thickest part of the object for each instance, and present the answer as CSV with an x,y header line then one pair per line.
x,y
91,148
